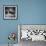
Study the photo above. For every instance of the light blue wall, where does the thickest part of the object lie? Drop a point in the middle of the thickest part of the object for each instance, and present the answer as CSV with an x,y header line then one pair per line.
x,y
33,12
7,26
29,12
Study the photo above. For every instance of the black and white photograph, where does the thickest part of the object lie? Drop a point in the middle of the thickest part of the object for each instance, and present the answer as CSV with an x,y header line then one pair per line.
x,y
31,34
10,12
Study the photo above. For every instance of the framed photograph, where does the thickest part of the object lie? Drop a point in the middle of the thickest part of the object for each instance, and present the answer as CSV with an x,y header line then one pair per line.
x,y
10,11
32,32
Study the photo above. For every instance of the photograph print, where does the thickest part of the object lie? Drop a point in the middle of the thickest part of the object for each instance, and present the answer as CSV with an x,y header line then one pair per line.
x,y
10,12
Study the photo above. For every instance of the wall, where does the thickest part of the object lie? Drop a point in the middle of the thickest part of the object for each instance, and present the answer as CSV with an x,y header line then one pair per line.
x,y
33,12
7,26
29,12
